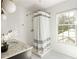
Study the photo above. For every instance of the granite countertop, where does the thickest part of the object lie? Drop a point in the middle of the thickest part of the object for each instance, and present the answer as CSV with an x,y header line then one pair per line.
x,y
15,48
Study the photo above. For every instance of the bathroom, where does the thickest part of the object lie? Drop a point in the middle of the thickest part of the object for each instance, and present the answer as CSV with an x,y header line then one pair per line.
x,y
19,26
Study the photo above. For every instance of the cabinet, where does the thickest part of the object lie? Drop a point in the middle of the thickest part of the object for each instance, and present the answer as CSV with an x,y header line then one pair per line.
x,y
41,33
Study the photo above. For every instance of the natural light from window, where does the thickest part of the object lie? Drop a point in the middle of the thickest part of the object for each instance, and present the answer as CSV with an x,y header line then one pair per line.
x,y
67,27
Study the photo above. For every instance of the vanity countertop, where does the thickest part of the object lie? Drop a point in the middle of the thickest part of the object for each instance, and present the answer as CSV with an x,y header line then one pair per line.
x,y
15,48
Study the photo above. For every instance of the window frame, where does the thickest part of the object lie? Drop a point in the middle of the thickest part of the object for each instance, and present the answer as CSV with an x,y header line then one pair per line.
x,y
57,21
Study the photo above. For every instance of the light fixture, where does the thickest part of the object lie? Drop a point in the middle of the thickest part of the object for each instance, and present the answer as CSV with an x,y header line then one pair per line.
x,y
8,6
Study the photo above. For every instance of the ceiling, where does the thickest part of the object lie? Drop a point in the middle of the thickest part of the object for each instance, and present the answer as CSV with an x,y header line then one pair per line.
x,y
37,4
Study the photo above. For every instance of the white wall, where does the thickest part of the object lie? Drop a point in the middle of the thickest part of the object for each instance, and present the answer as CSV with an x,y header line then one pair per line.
x,y
60,47
15,22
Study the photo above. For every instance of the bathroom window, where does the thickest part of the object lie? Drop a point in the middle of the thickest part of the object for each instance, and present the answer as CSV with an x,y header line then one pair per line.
x,y
67,27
